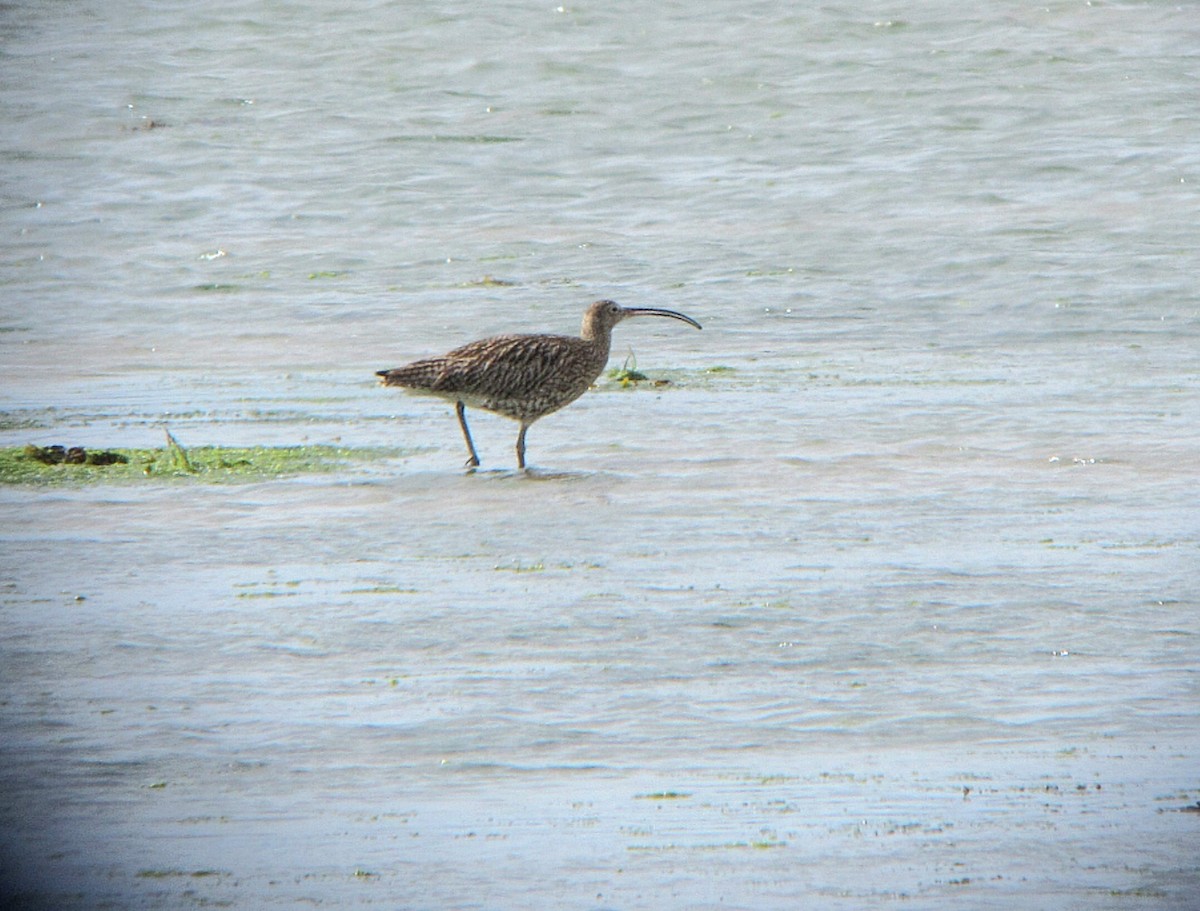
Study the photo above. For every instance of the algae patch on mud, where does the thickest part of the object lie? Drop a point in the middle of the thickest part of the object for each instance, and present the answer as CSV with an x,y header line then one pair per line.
x,y
204,464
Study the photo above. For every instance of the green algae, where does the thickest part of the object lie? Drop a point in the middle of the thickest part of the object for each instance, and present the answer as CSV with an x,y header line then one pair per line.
x,y
628,374
174,873
203,464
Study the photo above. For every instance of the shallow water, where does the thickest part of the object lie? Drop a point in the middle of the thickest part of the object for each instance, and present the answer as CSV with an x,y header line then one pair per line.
x,y
887,599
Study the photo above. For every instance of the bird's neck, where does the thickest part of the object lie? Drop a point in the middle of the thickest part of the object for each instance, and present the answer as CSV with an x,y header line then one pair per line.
x,y
595,332
599,341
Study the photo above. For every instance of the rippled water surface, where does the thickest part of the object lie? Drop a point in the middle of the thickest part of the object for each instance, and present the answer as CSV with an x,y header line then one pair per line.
x,y
886,598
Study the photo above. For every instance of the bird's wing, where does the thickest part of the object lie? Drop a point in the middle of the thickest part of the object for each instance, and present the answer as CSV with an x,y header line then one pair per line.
x,y
504,366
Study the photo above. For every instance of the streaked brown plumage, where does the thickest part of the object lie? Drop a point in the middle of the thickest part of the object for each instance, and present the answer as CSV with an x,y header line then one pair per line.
x,y
523,377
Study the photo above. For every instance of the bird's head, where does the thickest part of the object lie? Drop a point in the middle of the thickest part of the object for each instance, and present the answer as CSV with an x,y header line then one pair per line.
x,y
603,315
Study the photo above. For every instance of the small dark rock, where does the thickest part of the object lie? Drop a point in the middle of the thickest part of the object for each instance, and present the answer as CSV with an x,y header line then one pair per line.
x,y
76,455
47,455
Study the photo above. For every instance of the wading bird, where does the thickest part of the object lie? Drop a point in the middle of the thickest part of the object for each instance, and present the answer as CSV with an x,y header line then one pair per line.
x,y
522,377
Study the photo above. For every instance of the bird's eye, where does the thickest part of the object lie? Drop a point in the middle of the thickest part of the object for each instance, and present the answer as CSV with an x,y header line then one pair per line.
x,y
614,308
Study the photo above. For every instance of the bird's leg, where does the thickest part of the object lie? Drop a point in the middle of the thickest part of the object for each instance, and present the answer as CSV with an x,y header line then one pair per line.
x,y
461,409
521,447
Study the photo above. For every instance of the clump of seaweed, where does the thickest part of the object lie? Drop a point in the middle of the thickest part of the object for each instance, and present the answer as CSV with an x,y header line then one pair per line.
x,y
178,453
628,374
57,464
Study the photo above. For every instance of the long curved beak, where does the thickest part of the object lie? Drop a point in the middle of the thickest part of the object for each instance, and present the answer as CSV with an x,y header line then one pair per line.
x,y
658,311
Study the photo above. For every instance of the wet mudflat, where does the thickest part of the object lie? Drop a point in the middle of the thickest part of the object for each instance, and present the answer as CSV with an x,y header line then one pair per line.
x,y
909,674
